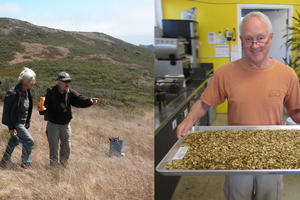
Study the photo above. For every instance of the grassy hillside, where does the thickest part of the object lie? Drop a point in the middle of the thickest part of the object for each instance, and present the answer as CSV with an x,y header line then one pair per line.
x,y
119,73
91,173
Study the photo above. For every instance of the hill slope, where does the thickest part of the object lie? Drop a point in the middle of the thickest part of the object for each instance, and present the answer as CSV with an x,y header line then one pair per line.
x,y
91,173
119,73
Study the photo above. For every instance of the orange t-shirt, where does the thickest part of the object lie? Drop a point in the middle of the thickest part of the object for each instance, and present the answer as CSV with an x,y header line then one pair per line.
x,y
256,96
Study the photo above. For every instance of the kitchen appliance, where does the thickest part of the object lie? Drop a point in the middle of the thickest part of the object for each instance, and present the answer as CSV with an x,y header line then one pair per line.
x,y
165,67
168,87
187,29
194,48
174,28
170,83
169,48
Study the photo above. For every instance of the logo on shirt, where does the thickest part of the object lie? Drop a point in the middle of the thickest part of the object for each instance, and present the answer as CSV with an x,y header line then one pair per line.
x,y
274,95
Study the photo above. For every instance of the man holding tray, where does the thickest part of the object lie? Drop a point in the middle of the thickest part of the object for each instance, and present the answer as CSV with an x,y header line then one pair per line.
x,y
257,88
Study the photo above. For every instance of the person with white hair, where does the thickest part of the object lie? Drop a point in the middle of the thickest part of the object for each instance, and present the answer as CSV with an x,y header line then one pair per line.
x,y
17,111
257,88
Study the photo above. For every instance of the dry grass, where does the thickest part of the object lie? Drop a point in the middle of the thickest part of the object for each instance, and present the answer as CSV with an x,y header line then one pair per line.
x,y
91,173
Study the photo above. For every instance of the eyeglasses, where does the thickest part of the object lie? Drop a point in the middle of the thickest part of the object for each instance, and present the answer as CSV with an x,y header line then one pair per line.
x,y
260,40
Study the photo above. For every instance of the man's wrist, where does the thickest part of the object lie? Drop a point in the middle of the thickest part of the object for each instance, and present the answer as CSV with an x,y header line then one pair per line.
x,y
190,118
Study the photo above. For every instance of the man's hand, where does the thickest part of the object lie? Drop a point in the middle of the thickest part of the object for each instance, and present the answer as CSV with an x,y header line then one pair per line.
x,y
295,115
27,125
197,111
13,132
94,100
184,127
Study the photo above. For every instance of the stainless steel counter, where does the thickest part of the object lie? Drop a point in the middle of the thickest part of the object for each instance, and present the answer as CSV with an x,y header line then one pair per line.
x,y
166,120
166,113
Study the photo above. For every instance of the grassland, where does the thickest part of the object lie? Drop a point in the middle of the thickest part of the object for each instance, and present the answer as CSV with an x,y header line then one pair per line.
x,y
91,173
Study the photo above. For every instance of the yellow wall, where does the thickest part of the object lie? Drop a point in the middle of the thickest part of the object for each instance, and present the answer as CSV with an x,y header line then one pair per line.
x,y
214,18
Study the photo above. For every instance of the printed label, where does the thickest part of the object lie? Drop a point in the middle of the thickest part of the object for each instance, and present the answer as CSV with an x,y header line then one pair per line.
x,y
186,112
180,153
174,124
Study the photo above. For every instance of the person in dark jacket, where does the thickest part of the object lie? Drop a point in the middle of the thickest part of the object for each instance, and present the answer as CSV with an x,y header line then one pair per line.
x,y
59,100
17,111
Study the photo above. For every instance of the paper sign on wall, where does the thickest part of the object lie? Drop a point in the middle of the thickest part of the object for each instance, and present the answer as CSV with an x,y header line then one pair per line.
x,y
234,53
221,51
220,39
211,38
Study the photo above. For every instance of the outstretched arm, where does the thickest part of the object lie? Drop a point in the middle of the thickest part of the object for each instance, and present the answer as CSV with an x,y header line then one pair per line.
x,y
81,101
197,111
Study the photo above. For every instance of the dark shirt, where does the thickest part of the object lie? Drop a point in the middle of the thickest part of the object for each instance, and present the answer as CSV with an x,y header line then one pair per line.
x,y
59,104
23,107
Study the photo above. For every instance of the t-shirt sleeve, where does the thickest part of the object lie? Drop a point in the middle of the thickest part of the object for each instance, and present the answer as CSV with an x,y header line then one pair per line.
x,y
215,93
292,100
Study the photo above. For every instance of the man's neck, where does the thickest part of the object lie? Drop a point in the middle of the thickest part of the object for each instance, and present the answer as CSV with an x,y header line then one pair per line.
x,y
62,91
261,64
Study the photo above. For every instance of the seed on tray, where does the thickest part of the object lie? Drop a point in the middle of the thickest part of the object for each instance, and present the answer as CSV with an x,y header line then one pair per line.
x,y
241,149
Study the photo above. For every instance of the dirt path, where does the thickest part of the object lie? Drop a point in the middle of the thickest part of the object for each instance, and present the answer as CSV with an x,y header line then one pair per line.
x,y
37,51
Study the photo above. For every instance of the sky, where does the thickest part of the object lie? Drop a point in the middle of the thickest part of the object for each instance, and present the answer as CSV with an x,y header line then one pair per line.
x,y
128,20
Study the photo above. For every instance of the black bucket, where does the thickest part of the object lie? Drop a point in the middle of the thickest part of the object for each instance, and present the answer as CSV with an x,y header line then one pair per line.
x,y
116,147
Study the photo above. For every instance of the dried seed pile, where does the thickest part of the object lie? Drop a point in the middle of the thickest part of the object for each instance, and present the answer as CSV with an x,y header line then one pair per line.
x,y
241,149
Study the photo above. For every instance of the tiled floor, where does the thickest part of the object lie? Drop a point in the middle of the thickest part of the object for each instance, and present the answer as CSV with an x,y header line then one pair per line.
x,y
211,187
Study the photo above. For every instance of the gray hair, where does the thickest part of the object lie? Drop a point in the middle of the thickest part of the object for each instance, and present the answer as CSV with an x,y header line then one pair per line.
x,y
26,74
264,18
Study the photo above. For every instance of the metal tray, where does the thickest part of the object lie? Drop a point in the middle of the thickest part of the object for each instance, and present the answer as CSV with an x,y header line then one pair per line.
x,y
161,167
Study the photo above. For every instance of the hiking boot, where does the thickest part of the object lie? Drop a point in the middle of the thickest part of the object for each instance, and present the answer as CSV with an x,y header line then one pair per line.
x,y
54,164
3,164
26,165
64,164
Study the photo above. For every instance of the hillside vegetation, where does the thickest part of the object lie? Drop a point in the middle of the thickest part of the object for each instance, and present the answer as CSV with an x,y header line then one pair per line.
x,y
119,73
91,173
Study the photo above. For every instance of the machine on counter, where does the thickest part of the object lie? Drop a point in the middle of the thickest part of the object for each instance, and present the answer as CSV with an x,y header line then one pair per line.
x,y
167,88
176,55
170,57
171,68
169,48
187,29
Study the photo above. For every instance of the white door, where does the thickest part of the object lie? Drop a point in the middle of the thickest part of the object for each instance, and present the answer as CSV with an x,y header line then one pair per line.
x,y
279,23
